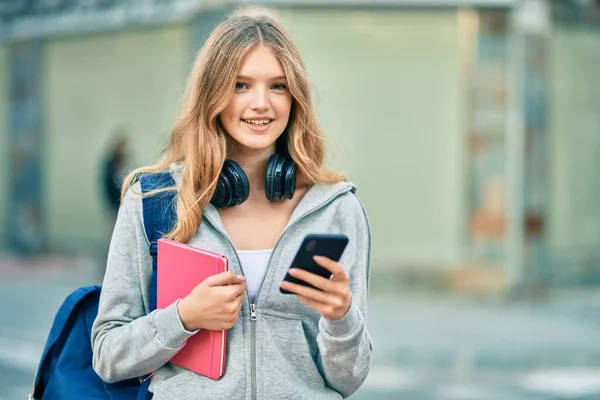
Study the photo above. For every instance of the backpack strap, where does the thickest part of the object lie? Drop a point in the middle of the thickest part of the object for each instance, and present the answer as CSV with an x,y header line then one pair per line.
x,y
159,217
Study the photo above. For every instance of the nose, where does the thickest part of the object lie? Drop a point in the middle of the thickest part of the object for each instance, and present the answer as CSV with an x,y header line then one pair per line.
x,y
260,100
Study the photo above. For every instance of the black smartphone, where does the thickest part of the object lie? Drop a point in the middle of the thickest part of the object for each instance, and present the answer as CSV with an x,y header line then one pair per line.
x,y
322,244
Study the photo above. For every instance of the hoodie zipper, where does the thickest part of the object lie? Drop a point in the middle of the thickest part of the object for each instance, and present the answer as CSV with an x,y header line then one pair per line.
x,y
253,348
253,316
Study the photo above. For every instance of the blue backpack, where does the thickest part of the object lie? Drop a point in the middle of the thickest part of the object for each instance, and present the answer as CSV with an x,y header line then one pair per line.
x,y
65,369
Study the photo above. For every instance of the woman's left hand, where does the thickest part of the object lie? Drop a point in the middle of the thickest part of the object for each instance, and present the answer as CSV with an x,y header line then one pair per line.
x,y
331,298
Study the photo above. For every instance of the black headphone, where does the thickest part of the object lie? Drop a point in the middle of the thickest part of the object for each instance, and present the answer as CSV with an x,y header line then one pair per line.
x,y
233,187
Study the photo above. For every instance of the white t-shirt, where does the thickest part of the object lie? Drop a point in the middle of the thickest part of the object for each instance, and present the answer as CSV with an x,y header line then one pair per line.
x,y
254,265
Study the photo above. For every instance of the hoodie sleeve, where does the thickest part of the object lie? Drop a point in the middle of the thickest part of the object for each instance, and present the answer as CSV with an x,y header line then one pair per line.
x,y
127,341
345,348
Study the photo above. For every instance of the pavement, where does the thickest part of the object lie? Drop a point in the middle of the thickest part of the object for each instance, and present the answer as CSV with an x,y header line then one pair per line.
x,y
427,346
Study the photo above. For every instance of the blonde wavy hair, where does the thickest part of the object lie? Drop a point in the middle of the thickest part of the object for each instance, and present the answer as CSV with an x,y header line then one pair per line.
x,y
198,139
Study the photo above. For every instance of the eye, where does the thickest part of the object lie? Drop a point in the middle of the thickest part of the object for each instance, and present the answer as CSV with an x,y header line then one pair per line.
x,y
279,86
240,86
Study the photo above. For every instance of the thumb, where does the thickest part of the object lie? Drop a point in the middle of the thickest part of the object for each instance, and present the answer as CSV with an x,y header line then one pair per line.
x,y
224,278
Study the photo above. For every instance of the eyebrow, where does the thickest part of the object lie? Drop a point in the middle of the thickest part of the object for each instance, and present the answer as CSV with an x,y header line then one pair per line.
x,y
275,78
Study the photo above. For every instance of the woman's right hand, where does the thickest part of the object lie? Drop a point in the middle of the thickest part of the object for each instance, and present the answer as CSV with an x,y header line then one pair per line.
x,y
214,304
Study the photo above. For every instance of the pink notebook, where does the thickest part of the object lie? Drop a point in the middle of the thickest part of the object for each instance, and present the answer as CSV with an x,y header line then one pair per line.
x,y
180,269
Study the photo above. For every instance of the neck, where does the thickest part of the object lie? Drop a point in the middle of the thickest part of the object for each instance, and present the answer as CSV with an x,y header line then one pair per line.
x,y
254,164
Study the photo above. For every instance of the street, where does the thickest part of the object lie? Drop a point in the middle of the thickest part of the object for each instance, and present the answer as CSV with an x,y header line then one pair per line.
x,y
426,347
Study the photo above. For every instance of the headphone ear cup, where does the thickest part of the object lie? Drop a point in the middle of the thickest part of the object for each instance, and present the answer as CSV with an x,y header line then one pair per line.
x,y
239,181
223,192
272,191
280,179
290,178
233,187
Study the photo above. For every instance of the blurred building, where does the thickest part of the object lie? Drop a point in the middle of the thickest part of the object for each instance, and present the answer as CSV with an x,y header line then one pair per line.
x,y
470,127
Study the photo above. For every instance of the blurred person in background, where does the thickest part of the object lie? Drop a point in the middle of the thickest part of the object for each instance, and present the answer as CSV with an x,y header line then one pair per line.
x,y
114,169
247,109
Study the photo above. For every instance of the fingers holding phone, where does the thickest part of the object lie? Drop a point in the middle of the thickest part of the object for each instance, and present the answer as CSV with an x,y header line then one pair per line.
x,y
336,270
330,297
317,278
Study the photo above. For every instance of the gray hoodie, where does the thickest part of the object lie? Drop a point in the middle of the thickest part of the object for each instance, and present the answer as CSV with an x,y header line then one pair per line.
x,y
287,352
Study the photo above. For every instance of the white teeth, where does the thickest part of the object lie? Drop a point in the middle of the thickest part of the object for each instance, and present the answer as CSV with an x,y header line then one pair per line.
x,y
257,122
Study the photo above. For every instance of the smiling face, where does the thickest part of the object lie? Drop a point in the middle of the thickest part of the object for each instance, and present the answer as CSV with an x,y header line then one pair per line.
x,y
259,109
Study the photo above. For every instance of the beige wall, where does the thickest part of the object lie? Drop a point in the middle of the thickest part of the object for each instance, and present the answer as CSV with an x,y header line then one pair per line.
x,y
92,84
4,160
389,95
575,141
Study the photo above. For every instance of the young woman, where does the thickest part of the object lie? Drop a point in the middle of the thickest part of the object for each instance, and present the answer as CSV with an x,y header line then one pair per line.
x,y
247,113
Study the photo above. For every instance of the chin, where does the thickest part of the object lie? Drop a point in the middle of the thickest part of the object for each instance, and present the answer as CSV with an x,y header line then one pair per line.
x,y
257,144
